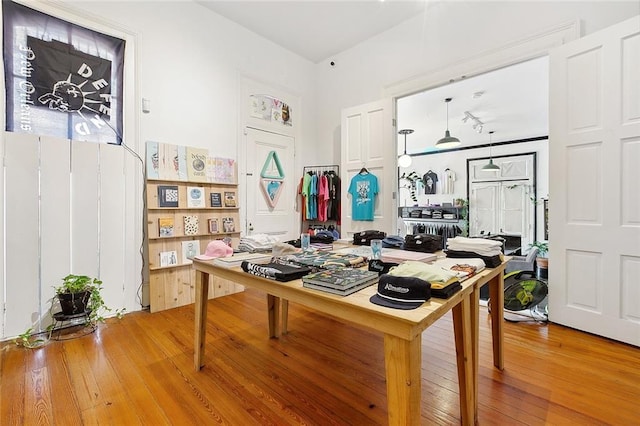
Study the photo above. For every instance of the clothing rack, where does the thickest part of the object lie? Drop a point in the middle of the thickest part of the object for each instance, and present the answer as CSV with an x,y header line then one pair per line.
x,y
321,169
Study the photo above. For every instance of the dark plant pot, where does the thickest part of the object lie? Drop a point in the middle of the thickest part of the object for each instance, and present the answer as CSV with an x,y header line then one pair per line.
x,y
74,303
543,267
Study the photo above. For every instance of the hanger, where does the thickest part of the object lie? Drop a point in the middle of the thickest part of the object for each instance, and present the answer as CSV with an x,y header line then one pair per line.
x,y
363,171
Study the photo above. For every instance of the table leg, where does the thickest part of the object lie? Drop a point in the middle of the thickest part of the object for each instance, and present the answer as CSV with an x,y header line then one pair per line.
x,y
273,309
496,294
202,297
475,343
402,360
467,378
285,316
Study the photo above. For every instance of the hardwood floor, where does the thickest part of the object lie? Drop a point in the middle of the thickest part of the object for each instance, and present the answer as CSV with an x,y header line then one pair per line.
x,y
139,370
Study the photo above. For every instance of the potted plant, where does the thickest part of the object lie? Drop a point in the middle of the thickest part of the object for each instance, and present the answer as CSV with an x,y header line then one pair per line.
x,y
542,260
80,294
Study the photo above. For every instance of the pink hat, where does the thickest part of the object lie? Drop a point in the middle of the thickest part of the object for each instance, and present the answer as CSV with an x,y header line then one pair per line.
x,y
215,249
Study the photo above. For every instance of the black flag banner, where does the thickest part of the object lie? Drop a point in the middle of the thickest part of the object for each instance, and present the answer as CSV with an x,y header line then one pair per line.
x,y
61,79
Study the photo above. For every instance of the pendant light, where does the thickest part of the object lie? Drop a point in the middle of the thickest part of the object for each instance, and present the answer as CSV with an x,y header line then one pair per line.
x,y
490,166
405,159
448,141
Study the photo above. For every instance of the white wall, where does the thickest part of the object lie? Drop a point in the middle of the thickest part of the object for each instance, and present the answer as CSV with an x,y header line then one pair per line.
x,y
457,162
447,33
189,63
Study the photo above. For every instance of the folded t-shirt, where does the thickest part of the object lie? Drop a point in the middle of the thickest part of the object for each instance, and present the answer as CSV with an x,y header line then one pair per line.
x,y
275,271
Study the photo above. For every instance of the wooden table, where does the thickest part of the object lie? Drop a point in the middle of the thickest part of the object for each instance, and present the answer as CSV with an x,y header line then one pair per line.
x,y
402,331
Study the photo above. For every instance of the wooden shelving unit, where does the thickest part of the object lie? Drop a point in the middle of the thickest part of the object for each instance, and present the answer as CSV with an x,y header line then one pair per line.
x,y
172,282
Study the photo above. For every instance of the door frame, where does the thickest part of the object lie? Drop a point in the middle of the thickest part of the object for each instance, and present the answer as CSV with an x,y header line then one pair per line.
x,y
534,46
247,85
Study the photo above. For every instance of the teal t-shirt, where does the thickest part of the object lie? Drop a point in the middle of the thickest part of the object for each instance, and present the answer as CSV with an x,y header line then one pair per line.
x,y
363,189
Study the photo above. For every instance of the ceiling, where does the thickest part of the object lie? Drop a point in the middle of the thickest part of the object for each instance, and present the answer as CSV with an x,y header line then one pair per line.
x,y
316,30
514,100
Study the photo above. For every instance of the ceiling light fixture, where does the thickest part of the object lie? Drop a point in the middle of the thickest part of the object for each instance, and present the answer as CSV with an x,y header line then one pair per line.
x,y
477,124
490,166
448,141
405,159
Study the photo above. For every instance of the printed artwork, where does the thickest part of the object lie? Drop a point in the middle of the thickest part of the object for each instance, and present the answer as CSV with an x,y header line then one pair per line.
x,y
230,199
182,163
189,250
195,196
269,108
168,258
216,199
272,178
191,225
213,226
168,196
165,227
228,224
67,83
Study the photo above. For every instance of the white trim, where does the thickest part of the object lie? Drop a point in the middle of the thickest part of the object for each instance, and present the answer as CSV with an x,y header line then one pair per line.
x,y
530,47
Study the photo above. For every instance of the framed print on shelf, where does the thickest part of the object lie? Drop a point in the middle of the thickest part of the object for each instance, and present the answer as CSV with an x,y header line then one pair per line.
x,y
195,196
165,227
216,199
168,196
228,224
230,199
213,226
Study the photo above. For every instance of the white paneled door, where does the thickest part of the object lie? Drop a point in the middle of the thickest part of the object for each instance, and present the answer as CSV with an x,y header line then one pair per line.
x,y
368,141
594,170
271,185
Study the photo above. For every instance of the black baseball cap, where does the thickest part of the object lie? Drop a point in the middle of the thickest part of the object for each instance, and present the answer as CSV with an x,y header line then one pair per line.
x,y
401,292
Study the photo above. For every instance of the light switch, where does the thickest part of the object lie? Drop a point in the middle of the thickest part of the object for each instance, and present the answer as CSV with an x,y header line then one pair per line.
x,y
146,105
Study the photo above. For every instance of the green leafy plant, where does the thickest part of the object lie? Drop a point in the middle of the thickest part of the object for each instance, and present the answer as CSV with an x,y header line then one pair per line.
x,y
412,178
29,340
73,284
463,205
542,246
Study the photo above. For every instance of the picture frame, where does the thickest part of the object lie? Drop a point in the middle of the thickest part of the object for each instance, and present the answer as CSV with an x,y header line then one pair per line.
x,y
216,199
168,196
230,199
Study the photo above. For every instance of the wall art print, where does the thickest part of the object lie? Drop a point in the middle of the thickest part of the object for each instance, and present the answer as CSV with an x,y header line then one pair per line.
x,y
271,109
61,79
272,178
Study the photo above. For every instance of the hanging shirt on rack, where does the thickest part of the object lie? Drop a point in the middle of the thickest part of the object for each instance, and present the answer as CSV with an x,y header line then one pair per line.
x,y
363,189
429,179
323,197
333,181
449,178
313,197
306,184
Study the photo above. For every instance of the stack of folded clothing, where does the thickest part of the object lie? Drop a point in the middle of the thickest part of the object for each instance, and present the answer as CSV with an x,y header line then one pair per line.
x,y
443,283
426,243
257,243
490,251
364,238
393,241
463,267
